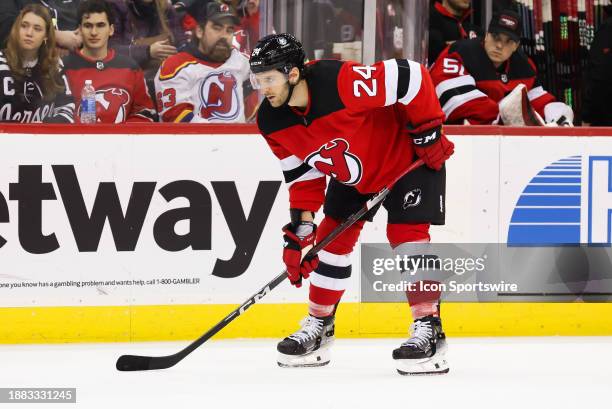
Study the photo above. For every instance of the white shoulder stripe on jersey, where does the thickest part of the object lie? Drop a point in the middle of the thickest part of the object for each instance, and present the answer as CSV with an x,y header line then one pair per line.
x,y
310,175
415,82
4,67
458,100
68,117
336,284
390,81
338,260
535,93
68,109
456,82
290,162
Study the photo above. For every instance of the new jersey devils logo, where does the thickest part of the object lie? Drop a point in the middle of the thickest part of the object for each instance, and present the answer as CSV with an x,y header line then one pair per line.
x,y
219,96
116,101
334,159
112,102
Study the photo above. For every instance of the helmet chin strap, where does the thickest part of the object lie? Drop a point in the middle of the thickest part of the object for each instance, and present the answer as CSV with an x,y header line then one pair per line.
x,y
291,87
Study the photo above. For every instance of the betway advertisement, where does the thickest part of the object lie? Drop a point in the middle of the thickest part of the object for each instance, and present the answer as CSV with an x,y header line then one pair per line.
x,y
137,219
187,219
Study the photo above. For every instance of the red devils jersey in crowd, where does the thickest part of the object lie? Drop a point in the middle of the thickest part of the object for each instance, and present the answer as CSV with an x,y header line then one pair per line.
x,y
470,87
121,91
355,128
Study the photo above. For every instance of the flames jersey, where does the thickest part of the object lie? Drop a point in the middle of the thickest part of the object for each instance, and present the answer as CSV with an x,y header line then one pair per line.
x,y
121,91
356,127
189,88
23,99
470,87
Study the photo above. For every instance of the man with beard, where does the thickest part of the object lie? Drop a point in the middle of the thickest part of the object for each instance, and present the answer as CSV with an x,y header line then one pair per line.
x,y
204,83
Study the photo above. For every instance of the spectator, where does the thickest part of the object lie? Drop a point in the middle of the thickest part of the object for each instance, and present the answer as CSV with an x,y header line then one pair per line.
x,y
63,15
148,31
33,86
389,30
249,25
334,27
448,22
9,10
597,108
205,82
66,36
473,76
121,92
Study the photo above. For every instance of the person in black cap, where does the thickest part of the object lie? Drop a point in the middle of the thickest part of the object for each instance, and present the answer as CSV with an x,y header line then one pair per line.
x,y
472,77
204,83
449,22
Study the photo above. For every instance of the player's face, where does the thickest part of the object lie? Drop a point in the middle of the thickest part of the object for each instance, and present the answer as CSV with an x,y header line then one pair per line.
x,y
273,85
32,32
215,39
499,47
96,30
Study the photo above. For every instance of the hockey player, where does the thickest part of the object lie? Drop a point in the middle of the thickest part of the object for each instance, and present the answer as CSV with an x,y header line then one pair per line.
x,y
473,76
121,91
361,125
32,86
205,82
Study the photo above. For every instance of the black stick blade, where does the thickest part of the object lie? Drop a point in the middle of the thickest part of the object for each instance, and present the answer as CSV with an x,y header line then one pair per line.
x,y
136,363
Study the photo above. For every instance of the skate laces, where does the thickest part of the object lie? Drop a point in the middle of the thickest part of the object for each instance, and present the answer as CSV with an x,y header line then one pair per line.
x,y
421,332
311,328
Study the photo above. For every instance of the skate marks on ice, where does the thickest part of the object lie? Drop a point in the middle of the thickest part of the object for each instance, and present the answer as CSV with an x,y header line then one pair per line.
x,y
492,372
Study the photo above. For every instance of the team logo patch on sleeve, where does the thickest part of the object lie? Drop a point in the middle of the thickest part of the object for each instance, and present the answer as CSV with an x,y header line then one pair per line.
x,y
334,159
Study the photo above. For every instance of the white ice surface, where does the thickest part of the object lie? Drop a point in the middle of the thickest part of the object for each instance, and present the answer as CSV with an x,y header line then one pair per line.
x,y
550,372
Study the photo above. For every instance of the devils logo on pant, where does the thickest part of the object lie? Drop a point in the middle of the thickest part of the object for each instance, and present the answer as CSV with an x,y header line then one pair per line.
x,y
219,97
334,159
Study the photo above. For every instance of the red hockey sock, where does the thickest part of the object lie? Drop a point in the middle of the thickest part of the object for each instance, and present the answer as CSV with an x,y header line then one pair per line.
x,y
330,279
425,300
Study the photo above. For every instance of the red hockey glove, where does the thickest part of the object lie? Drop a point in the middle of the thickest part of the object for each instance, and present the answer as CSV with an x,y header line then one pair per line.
x,y
433,147
298,240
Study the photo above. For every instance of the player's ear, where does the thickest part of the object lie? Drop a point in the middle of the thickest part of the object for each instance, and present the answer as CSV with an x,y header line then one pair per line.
x,y
294,75
112,30
199,31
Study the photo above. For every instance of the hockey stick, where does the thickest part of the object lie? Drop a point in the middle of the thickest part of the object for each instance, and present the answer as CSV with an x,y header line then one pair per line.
x,y
144,363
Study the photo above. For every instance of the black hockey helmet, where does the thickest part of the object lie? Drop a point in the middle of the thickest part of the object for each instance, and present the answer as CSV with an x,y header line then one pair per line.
x,y
277,52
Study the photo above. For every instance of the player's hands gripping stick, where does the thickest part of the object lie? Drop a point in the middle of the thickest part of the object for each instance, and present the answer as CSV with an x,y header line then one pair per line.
x,y
433,147
298,240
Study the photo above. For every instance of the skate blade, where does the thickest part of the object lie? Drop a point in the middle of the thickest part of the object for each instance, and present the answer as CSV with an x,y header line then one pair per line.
x,y
436,365
320,357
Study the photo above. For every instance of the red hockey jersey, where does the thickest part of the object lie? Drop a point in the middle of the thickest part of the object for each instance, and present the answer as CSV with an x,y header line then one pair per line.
x,y
470,87
355,128
121,91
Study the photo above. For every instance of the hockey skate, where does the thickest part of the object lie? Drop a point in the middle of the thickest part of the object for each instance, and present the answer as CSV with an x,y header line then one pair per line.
x,y
424,352
309,346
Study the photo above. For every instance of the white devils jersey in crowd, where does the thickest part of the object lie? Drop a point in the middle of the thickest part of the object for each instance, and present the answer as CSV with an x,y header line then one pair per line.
x,y
189,88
